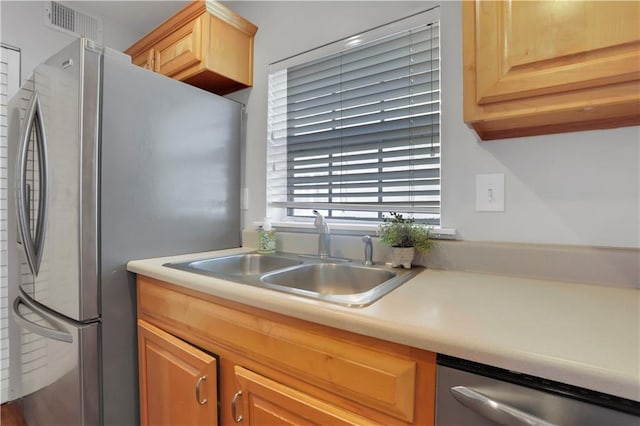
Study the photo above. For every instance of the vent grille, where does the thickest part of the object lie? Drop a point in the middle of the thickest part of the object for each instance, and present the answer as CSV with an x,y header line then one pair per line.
x,y
71,21
62,16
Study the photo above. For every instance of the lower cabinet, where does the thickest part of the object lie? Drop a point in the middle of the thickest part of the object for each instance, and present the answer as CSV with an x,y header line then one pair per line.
x,y
272,369
178,382
262,401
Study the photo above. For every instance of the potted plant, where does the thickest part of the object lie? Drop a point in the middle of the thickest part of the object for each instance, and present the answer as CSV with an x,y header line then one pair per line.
x,y
405,237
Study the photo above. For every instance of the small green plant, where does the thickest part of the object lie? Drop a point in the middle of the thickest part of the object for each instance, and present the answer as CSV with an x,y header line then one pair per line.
x,y
398,231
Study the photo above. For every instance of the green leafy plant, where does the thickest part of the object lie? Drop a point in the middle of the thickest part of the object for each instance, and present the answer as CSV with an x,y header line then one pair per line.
x,y
398,231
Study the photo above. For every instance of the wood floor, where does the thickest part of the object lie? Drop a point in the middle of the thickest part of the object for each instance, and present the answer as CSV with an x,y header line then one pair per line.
x,y
11,415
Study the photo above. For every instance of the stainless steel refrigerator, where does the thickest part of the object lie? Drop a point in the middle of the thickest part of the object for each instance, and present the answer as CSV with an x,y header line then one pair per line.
x,y
108,163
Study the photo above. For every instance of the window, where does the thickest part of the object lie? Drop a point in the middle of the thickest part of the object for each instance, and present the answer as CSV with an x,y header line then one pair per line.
x,y
354,127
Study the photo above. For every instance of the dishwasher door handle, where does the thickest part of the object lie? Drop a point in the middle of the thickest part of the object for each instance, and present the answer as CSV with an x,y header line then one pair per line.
x,y
493,410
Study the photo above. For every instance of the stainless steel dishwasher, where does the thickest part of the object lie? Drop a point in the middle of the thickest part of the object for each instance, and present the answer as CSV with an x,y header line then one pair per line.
x,y
472,394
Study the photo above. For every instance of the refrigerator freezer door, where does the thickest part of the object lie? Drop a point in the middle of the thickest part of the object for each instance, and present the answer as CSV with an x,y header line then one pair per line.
x,y
58,367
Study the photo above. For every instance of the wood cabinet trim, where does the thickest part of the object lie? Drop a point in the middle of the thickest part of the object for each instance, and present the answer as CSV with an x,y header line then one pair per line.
x,y
173,23
189,13
232,18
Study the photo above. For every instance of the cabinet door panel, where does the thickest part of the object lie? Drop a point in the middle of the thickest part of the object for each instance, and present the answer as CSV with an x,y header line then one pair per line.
x,y
267,402
526,49
178,382
180,52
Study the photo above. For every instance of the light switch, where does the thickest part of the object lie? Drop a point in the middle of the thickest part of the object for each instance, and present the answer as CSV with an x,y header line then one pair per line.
x,y
490,192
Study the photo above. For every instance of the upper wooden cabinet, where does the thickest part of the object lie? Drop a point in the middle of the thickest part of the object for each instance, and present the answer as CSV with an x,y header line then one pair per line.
x,y
539,67
205,44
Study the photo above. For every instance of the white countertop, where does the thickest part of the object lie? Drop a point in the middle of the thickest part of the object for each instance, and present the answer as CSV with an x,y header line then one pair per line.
x,y
583,335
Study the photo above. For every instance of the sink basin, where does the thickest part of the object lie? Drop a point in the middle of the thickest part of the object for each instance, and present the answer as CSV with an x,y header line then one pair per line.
x,y
344,284
237,265
330,280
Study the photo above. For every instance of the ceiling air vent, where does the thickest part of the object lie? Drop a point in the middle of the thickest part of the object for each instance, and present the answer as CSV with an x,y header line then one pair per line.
x,y
71,21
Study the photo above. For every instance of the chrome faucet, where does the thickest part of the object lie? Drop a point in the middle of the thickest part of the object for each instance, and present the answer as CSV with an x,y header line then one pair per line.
x,y
324,235
368,251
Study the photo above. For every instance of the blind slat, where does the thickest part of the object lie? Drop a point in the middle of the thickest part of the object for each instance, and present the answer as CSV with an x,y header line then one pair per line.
x,y
301,160
380,104
359,177
280,113
412,164
404,126
418,36
431,207
433,182
343,70
384,73
433,144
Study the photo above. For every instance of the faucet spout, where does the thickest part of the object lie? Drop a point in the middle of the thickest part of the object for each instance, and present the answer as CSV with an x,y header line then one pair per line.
x,y
324,235
368,250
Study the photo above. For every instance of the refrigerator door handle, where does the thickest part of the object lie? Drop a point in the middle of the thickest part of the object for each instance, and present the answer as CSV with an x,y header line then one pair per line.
x,y
33,245
58,332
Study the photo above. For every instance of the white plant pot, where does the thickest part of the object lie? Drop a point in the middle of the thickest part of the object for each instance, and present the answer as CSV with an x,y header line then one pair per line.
x,y
402,256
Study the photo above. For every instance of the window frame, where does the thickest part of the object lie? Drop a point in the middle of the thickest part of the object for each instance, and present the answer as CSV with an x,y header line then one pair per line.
x,y
279,211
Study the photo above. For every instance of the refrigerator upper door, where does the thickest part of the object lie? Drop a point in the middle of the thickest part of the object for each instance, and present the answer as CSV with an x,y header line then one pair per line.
x,y
32,184
66,99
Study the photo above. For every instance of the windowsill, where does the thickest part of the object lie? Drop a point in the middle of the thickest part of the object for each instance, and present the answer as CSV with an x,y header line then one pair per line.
x,y
348,228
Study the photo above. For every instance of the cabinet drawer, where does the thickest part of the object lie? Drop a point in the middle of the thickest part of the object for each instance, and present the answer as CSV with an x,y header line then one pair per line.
x,y
378,379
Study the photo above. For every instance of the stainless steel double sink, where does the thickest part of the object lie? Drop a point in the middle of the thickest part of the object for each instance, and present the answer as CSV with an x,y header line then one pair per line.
x,y
333,280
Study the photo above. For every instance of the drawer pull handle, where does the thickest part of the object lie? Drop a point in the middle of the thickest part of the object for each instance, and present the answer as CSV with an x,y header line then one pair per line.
x,y
198,383
234,409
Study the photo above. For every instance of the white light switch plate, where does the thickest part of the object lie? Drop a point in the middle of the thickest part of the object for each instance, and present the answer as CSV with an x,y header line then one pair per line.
x,y
490,192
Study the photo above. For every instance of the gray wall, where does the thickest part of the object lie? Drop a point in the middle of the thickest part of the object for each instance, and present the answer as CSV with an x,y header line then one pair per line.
x,y
578,188
22,25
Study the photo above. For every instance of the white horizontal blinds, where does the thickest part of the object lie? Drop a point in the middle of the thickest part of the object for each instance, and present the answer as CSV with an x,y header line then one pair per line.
x,y
357,133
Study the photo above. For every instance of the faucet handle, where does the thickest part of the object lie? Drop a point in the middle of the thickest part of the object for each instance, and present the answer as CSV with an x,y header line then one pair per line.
x,y
320,222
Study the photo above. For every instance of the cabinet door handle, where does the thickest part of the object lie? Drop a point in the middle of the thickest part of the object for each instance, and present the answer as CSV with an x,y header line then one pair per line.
x,y
234,408
198,383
